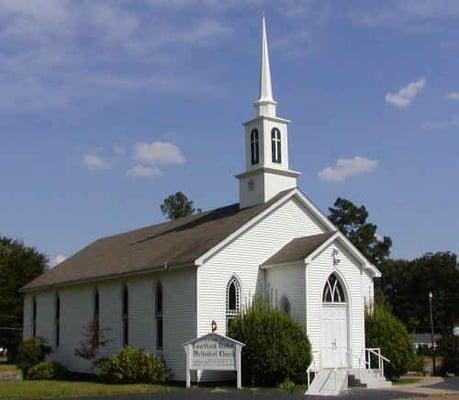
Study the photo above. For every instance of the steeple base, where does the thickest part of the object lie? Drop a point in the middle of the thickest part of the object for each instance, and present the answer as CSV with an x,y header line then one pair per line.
x,y
260,185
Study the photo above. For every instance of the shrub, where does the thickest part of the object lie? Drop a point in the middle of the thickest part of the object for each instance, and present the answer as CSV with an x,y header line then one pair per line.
x,y
277,348
47,370
31,352
385,331
132,365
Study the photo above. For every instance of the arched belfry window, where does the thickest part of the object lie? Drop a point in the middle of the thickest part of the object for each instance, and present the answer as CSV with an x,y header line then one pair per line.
x,y
159,315
233,299
276,145
254,147
333,290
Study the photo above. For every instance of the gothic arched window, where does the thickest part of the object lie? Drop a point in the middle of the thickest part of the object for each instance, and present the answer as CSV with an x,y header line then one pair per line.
x,y
125,315
333,290
254,147
276,145
159,315
233,299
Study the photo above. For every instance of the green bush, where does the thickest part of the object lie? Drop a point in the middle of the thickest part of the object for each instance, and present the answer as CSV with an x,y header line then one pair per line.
x,y
385,331
31,352
277,348
132,365
47,370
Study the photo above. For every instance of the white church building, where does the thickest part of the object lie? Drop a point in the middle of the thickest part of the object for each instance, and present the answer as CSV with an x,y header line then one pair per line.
x,y
159,286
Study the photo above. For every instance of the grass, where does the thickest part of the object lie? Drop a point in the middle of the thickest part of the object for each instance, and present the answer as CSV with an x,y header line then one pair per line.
x,y
53,389
405,381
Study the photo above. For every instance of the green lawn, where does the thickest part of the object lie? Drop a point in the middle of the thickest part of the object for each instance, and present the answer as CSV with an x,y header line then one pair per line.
x,y
53,389
405,381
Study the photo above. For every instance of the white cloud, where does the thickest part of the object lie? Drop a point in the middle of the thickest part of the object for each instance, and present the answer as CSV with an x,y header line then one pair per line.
x,y
144,171
406,95
346,168
119,150
93,161
158,153
57,260
452,96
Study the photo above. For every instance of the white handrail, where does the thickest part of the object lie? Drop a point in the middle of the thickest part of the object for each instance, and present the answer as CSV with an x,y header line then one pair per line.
x,y
311,368
381,359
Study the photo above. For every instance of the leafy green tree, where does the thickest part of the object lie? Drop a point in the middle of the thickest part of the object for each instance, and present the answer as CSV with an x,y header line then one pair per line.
x,y
387,332
177,205
277,348
351,220
19,264
406,285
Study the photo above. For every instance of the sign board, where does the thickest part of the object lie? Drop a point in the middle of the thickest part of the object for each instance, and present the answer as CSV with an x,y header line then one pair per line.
x,y
213,352
456,331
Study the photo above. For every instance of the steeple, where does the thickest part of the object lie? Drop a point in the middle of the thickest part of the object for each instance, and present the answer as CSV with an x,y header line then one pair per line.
x,y
266,144
265,105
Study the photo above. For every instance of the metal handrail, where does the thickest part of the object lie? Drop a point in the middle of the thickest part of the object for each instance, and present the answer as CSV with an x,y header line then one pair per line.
x,y
313,366
379,354
381,359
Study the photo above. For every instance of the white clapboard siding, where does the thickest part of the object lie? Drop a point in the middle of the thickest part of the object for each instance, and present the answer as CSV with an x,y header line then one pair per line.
x,y
289,281
242,258
27,317
77,311
350,271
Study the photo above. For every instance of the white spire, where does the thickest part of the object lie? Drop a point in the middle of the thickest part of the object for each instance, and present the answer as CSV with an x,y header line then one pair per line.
x,y
265,105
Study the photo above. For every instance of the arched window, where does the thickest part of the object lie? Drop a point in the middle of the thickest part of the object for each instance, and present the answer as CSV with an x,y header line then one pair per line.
x,y
333,291
276,145
254,147
233,299
284,305
125,315
34,316
159,315
57,320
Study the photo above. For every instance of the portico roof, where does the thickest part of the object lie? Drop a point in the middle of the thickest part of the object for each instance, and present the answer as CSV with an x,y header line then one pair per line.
x,y
298,249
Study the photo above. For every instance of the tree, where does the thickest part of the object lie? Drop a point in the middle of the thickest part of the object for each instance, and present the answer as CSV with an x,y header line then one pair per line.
x,y
406,284
384,330
277,348
177,205
351,220
94,339
19,264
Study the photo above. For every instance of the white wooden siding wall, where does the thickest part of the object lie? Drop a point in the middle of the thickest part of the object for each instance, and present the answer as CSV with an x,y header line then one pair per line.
x,y
27,317
77,308
45,316
242,258
289,281
316,275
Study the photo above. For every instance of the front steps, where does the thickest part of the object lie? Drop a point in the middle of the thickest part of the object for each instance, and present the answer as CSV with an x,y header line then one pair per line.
x,y
332,382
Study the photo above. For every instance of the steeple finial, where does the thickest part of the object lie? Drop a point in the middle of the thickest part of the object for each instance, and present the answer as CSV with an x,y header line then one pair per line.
x,y
265,105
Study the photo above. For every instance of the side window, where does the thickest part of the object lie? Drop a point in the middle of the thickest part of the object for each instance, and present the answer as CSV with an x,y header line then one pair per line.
x,y
34,316
159,315
125,315
57,321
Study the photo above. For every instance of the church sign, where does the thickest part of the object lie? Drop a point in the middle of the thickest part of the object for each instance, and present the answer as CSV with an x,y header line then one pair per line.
x,y
213,352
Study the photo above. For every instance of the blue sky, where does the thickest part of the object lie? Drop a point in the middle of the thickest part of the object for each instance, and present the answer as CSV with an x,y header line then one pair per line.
x,y
107,107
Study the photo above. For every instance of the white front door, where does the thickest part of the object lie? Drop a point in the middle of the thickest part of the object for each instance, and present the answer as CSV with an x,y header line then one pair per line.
x,y
334,335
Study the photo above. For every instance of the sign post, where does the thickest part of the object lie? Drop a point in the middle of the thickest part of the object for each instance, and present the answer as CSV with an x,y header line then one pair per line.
x,y
213,352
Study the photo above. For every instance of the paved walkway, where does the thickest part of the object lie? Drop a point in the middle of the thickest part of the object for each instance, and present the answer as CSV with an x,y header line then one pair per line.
x,y
432,388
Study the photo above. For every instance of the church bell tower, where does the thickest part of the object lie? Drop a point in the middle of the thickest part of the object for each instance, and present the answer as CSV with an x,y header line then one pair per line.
x,y
266,144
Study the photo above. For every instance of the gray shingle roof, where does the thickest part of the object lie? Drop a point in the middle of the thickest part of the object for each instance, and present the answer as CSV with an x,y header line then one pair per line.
x,y
177,242
298,249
